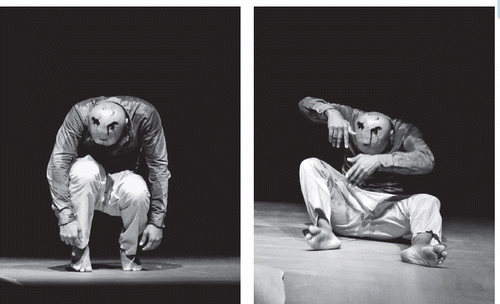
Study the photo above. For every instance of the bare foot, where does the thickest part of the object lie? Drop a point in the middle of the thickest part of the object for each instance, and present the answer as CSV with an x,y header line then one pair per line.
x,y
130,262
80,259
425,255
320,238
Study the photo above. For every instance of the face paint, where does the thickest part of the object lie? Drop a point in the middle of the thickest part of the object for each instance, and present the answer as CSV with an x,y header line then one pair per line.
x,y
372,132
111,126
95,121
107,121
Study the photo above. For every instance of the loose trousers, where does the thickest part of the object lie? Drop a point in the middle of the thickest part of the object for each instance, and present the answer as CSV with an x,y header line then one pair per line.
x,y
122,194
353,211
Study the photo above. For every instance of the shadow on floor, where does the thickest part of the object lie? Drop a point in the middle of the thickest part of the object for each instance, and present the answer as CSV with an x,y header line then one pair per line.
x,y
98,266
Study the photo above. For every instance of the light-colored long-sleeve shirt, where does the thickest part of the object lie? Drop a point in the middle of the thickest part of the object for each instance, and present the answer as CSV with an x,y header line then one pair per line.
x,y
408,154
143,145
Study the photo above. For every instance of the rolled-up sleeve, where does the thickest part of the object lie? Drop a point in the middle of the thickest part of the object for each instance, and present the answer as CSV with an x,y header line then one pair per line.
x,y
63,155
155,151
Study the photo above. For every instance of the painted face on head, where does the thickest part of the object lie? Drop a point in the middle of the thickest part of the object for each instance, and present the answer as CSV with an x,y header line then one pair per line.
x,y
107,121
373,132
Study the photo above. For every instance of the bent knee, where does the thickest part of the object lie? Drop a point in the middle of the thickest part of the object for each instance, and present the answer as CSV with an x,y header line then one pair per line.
x,y
428,200
137,195
85,170
310,163
135,189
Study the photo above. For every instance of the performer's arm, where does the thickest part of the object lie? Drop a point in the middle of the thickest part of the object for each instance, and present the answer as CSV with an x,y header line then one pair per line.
x,y
315,109
417,158
155,148
336,116
63,155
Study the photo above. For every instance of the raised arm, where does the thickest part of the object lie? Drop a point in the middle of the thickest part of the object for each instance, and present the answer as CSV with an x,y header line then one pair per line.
x,y
63,154
337,117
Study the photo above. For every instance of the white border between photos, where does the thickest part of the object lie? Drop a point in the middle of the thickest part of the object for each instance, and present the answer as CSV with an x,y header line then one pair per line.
x,y
247,155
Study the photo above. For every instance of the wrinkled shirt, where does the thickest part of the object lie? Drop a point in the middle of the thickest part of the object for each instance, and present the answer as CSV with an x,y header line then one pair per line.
x,y
408,154
141,146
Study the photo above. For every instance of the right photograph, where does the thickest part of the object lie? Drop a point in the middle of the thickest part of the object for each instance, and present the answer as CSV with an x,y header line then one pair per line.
x,y
374,154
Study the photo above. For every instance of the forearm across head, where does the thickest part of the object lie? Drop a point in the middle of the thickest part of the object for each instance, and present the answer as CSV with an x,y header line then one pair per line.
x,y
314,109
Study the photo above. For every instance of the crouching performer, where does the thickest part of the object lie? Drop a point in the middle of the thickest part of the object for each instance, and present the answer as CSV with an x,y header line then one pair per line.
x,y
94,165
367,198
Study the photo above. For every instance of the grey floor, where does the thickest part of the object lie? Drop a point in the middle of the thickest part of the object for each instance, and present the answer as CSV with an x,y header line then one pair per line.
x,y
162,280
367,271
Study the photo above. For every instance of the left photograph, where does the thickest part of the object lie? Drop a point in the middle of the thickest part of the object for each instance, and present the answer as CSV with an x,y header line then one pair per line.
x,y
120,154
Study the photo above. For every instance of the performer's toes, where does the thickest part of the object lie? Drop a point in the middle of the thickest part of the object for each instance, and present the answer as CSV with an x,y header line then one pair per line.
x,y
441,252
80,259
425,255
439,249
130,263
322,239
315,229
311,232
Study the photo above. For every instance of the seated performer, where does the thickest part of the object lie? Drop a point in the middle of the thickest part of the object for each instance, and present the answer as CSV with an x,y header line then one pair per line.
x,y
367,199
94,166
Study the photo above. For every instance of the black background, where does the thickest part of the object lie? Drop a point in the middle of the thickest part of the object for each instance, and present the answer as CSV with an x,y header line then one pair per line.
x,y
433,67
185,61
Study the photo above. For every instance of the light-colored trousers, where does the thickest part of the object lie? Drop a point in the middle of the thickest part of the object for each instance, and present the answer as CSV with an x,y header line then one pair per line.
x,y
122,194
353,211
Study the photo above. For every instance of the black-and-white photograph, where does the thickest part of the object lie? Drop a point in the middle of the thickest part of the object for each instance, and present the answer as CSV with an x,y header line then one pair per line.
x,y
374,154
120,154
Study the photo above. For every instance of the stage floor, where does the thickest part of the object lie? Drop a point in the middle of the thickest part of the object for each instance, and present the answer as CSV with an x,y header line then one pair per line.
x,y
178,280
368,271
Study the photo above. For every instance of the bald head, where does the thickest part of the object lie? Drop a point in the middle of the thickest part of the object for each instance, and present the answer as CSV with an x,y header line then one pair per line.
x,y
373,132
107,120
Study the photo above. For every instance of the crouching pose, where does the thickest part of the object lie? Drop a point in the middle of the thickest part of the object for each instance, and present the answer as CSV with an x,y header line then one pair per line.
x,y
94,165
367,199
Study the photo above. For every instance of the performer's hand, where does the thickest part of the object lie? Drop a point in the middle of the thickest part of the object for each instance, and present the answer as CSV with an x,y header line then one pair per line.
x,y
364,166
71,233
153,235
338,129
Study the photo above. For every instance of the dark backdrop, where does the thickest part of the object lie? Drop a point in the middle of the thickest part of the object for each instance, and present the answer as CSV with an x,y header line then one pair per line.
x,y
433,67
185,61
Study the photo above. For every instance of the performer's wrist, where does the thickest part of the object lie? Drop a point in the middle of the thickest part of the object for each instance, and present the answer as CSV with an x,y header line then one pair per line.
x,y
157,223
330,111
64,221
65,216
385,160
